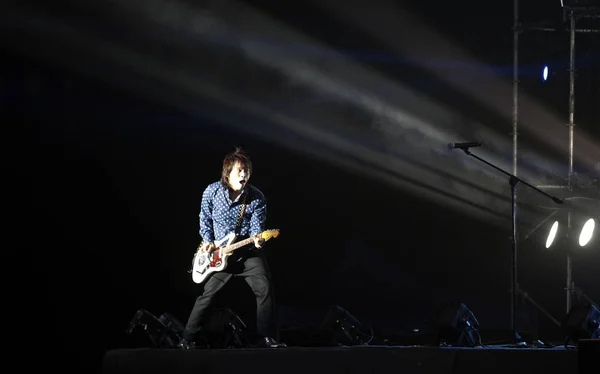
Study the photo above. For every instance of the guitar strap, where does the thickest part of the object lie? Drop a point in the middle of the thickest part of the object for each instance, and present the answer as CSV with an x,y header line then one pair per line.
x,y
238,226
241,215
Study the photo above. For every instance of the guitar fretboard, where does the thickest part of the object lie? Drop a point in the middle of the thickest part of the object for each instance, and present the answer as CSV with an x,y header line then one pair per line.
x,y
237,245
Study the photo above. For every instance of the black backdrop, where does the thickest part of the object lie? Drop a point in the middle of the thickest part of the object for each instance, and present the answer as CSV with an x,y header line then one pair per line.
x,y
103,195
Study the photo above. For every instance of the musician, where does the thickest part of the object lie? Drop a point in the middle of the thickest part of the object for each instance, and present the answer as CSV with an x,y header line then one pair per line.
x,y
221,212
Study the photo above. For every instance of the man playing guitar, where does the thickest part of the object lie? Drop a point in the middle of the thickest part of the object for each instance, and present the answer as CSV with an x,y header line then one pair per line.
x,y
232,205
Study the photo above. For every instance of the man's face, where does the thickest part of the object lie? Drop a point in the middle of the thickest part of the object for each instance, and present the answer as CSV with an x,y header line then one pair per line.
x,y
238,177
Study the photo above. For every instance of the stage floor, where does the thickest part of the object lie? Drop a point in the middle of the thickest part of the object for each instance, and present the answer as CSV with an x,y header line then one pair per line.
x,y
349,360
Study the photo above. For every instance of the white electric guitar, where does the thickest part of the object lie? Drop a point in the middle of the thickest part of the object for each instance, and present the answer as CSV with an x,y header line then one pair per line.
x,y
206,263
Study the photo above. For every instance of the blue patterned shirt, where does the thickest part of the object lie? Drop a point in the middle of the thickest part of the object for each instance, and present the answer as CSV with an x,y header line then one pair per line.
x,y
219,215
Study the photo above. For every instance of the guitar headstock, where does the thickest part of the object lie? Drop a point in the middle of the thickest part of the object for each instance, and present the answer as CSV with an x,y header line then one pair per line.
x,y
268,234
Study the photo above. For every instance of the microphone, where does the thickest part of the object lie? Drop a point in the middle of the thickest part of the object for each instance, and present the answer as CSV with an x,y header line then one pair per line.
x,y
463,145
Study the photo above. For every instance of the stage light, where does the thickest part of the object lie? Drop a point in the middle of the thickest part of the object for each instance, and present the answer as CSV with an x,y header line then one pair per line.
x,y
552,234
582,322
586,232
581,228
545,72
456,325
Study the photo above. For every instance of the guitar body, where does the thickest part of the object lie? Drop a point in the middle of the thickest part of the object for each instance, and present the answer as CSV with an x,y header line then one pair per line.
x,y
210,262
206,263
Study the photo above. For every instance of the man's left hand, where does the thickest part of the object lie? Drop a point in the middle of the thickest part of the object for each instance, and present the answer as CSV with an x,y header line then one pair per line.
x,y
258,241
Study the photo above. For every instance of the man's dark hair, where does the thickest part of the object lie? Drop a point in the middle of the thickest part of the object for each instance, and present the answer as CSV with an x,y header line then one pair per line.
x,y
238,155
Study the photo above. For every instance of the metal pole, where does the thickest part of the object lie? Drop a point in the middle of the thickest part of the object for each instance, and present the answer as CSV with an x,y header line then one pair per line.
x,y
571,131
513,301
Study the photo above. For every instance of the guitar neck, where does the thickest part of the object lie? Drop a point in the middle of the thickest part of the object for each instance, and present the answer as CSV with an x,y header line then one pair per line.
x,y
239,244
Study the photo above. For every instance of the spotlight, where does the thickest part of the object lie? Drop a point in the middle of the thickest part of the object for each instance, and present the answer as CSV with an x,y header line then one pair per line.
x,y
586,232
552,234
545,73
457,326
583,229
582,322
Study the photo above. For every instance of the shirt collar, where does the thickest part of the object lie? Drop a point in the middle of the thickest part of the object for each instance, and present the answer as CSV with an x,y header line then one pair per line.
x,y
225,190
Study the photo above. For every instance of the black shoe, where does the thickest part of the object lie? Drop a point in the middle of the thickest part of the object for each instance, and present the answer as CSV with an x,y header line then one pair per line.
x,y
267,342
185,344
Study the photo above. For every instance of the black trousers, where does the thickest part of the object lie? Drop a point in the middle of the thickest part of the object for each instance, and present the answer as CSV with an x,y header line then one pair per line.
x,y
255,272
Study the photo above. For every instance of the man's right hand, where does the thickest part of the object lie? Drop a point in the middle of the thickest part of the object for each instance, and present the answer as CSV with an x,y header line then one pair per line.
x,y
208,247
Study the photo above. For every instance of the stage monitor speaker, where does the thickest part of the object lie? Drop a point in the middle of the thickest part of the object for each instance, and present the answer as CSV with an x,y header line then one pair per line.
x,y
456,325
345,329
223,329
582,322
162,332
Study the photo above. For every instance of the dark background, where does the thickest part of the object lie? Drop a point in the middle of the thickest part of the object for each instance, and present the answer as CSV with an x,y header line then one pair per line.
x,y
104,188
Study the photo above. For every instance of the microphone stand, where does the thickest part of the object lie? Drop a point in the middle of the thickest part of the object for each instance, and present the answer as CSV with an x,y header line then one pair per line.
x,y
580,295
513,180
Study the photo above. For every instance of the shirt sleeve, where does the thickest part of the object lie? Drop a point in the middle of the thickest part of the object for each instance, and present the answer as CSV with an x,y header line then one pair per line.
x,y
259,217
206,211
